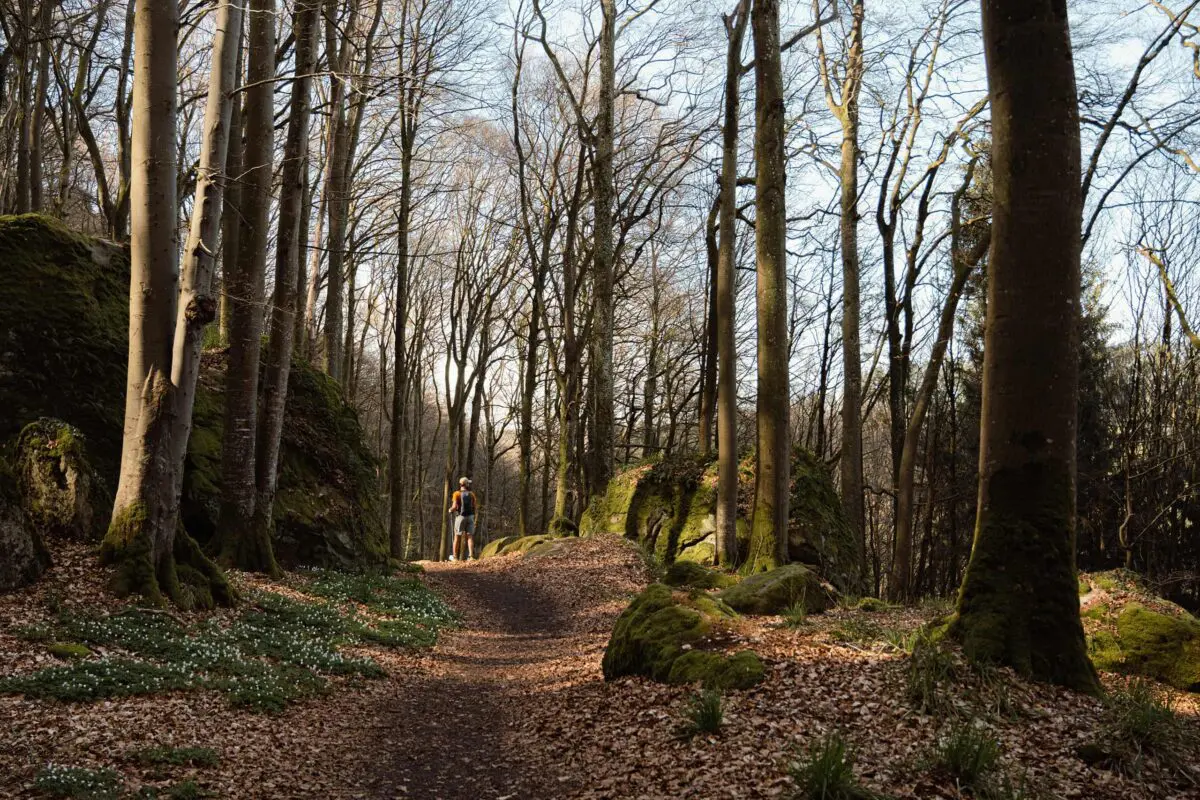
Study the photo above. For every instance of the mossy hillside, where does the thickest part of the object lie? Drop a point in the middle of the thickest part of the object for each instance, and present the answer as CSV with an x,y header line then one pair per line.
x,y
1130,630
780,590
662,636
64,312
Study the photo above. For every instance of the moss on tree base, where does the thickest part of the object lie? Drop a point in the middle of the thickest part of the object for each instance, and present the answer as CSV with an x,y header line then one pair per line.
x,y
184,576
1019,604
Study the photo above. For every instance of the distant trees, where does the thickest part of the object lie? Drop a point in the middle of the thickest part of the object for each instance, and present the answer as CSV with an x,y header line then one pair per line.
x,y
623,326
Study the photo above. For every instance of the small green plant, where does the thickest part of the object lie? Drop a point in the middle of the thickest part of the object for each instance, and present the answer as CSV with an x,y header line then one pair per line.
x,y
901,640
826,772
34,633
796,615
1142,723
704,714
931,668
969,755
178,756
79,783
857,631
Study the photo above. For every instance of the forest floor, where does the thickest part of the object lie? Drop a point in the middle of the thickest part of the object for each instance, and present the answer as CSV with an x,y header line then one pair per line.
x,y
512,706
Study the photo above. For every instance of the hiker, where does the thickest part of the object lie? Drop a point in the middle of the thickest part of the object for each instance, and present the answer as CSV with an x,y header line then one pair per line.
x,y
463,503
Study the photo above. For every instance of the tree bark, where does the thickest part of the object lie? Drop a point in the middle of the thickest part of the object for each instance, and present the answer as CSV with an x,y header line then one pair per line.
x,y
287,268
242,543
601,461
1019,602
727,455
768,533
142,541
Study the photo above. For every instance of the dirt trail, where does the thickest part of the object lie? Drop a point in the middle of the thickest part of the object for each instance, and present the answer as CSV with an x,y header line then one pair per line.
x,y
454,733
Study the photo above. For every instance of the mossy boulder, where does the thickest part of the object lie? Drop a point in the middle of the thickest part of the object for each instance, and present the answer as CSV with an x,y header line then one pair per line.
x,y
23,555
1130,630
494,547
778,590
818,532
662,635
696,576
61,492
64,317
669,507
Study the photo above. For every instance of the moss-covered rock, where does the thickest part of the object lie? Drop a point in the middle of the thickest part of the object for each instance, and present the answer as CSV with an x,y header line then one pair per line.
x,y
778,590
61,493
1130,630
64,315
68,651
818,532
696,576
23,556
494,547
669,507
662,636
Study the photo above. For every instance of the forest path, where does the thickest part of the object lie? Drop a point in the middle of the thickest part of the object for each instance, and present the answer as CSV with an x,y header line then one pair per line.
x,y
455,732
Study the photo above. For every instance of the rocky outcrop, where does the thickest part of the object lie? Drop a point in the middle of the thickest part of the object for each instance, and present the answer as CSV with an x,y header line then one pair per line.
x,y
669,507
64,315
23,557
61,492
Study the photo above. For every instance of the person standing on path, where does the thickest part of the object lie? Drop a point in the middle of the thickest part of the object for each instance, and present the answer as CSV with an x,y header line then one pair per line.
x,y
463,503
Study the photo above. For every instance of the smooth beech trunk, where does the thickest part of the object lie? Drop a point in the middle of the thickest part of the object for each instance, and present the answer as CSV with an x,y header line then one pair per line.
x,y
1019,603
142,540
768,532
727,455
287,268
242,544
603,427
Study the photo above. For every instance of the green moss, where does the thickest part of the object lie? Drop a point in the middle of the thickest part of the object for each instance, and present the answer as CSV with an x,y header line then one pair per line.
x,y
818,532
778,590
64,316
1160,646
1019,603
68,651
494,547
1105,652
127,547
687,573
660,634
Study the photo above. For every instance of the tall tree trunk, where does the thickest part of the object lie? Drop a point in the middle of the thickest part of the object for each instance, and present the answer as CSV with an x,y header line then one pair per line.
x,y
727,455
1019,603
398,478
242,544
287,267
768,533
232,213
24,101
336,198
602,410
708,369
846,110
37,109
142,541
